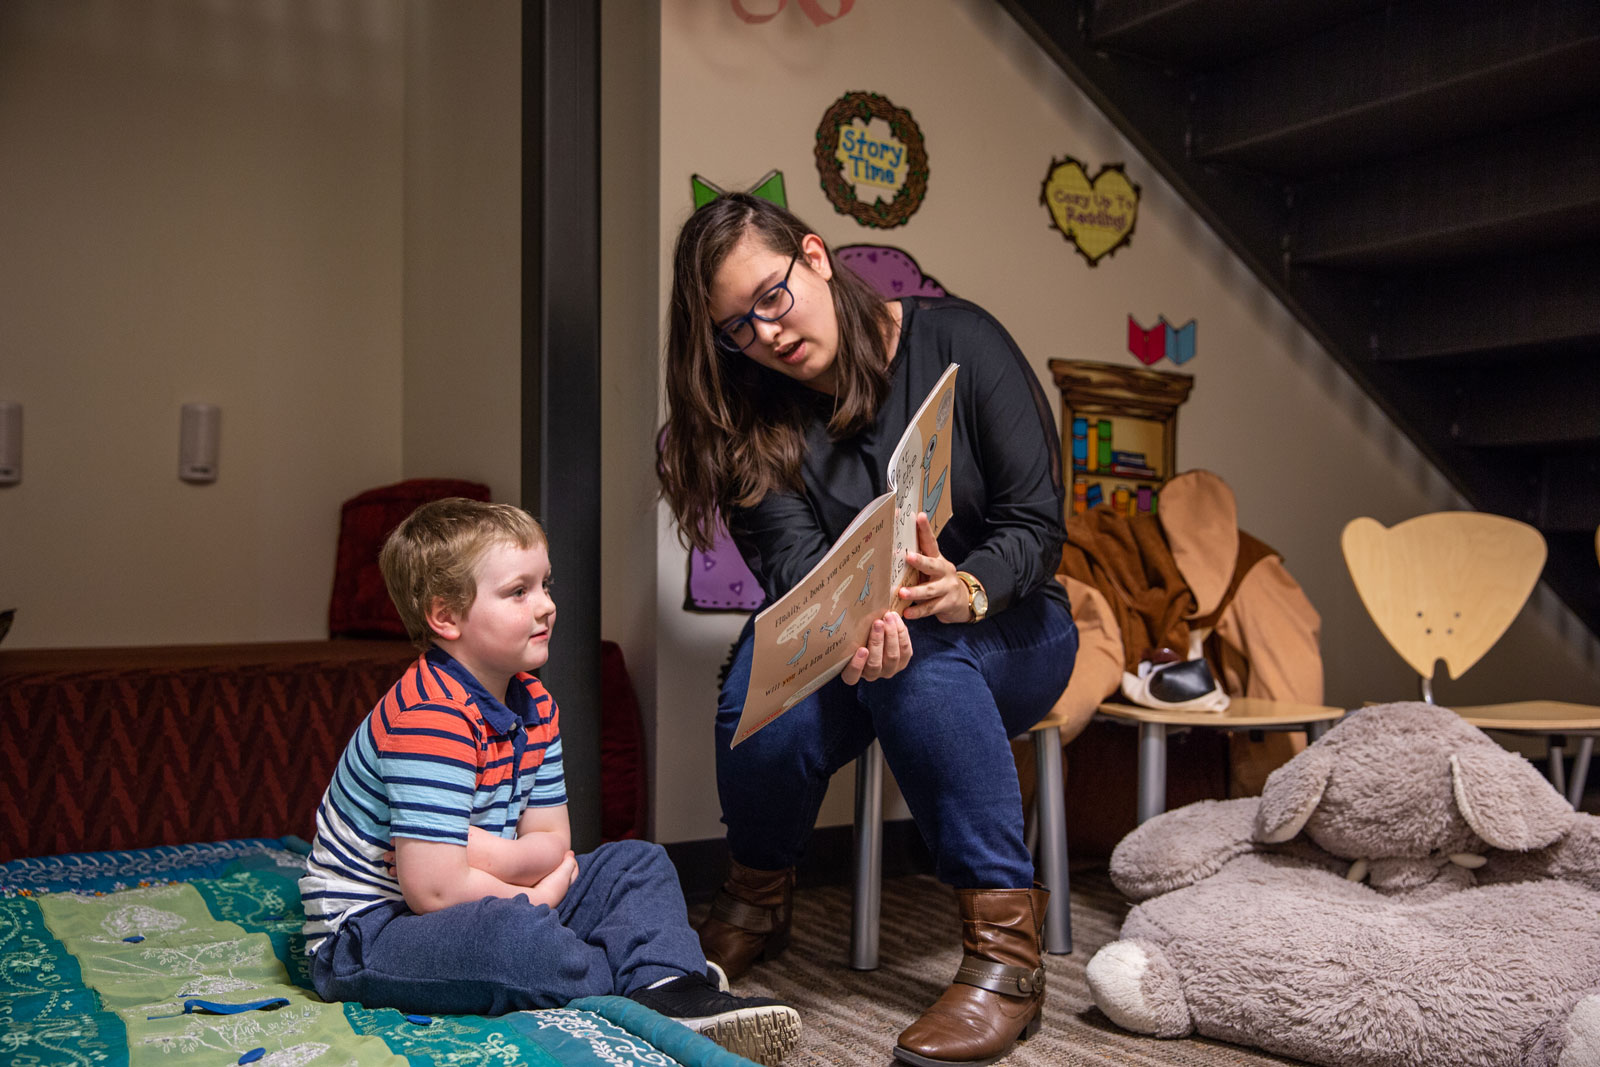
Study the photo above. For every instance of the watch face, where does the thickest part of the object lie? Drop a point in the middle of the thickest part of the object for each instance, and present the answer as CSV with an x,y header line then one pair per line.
x,y
980,602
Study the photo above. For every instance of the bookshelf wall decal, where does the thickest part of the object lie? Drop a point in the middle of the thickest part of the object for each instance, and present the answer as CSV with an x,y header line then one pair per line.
x,y
1093,454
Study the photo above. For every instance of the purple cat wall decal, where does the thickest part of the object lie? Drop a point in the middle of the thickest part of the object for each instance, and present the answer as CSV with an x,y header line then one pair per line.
x,y
719,579
889,270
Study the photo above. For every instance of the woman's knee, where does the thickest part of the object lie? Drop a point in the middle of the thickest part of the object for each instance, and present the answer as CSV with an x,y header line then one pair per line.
x,y
789,749
933,676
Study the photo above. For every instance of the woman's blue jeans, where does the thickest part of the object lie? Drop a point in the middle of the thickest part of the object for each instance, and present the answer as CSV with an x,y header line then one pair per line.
x,y
945,723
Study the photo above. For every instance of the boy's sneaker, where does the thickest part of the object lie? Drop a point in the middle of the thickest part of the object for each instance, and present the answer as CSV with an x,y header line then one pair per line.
x,y
757,1028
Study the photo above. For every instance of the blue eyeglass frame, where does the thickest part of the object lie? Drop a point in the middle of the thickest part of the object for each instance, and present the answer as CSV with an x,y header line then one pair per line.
x,y
724,335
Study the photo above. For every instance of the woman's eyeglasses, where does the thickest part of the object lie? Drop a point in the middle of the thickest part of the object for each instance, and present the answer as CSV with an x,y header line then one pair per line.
x,y
735,336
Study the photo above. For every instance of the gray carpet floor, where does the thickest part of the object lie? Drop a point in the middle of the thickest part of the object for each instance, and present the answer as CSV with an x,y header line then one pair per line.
x,y
852,1017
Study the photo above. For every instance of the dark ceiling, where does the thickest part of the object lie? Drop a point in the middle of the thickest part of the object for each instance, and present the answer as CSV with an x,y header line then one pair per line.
x,y
1419,182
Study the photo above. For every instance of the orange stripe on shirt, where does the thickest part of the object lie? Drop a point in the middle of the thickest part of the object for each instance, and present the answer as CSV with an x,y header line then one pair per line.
x,y
544,733
410,690
396,733
454,691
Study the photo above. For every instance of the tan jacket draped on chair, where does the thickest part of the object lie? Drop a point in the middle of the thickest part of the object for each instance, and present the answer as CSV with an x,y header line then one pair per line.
x,y
1144,582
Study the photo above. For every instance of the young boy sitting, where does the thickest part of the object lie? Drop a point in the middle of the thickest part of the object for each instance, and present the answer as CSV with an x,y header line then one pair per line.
x,y
442,878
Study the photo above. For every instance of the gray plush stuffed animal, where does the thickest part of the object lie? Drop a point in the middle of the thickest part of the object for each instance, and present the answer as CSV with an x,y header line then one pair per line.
x,y
1404,892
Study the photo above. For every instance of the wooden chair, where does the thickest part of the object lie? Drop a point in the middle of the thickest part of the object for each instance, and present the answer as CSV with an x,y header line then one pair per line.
x,y
1447,586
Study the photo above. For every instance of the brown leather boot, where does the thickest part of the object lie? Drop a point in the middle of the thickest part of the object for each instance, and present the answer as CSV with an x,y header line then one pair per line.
x,y
998,993
749,918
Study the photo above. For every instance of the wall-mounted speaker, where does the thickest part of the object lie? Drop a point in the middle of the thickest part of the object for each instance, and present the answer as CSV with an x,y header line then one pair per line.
x,y
198,440
10,442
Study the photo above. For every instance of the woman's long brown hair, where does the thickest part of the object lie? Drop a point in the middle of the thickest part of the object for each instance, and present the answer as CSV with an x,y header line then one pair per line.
x,y
735,430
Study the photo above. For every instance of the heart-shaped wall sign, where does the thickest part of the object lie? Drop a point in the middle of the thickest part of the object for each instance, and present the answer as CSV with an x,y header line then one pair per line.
x,y
1096,216
1443,586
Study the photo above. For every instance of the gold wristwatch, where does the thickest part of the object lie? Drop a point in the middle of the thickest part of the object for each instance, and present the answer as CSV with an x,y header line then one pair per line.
x,y
977,599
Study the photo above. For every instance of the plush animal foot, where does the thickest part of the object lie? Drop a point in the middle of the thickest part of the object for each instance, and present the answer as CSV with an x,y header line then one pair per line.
x,y
1135,985
1583,1034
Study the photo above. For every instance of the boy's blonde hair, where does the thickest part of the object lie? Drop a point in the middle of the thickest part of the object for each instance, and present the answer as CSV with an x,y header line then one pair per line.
x,y
432,554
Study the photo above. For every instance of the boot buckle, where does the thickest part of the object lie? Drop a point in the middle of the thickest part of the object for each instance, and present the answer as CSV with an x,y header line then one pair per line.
x,y
1000,978
748,917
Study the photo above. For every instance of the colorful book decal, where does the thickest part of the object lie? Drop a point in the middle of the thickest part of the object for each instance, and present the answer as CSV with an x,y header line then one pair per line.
x,y
1095,461
871,159
1097,216
1163,339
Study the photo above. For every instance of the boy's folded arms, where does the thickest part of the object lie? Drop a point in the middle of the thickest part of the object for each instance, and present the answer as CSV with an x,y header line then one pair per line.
x,y
434,875
543,840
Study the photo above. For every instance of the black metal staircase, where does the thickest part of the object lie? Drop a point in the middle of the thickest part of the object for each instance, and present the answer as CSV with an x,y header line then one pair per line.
x,y
1419,182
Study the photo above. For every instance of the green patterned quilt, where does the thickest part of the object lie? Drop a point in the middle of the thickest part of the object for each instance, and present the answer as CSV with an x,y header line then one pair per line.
x,y
182,957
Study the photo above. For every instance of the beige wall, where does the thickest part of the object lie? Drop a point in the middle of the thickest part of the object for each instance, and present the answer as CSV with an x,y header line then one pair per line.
x,y
197,202
462,415
261,206
1304,450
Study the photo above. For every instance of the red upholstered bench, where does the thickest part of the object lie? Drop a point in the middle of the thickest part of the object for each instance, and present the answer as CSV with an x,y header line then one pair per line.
x,y
117,748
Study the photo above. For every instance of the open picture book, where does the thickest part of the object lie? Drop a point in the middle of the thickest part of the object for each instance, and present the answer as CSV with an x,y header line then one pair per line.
x,y
805,639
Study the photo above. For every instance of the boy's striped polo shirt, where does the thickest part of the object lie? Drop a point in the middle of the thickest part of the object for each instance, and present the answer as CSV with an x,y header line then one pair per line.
x,y
438,754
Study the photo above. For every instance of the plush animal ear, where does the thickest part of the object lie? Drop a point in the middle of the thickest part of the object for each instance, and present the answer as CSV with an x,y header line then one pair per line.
x,y
1292,793
1506,801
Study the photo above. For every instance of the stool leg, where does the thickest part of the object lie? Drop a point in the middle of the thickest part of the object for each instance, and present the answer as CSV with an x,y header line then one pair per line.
x,y
1580,772
1558,768
1152,770
1051,819
868,897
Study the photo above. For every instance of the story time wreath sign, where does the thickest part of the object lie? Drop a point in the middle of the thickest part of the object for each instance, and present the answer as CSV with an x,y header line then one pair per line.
x,y
870,156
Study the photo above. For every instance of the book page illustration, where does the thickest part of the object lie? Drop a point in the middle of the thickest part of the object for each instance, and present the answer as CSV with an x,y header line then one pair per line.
x,y
919,469
804,640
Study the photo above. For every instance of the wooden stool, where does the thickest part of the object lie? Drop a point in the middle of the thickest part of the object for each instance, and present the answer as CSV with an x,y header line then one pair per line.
x,y
1243,713
1554,718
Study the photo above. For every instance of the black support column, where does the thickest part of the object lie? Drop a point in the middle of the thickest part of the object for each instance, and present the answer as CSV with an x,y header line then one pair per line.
x,y
561,363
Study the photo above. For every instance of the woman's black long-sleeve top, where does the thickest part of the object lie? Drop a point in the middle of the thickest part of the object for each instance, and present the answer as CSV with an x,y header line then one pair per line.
x,y
1006,527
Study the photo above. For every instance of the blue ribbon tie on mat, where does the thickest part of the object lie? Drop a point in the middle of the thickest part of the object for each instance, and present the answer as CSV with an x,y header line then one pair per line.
x,y
216,1007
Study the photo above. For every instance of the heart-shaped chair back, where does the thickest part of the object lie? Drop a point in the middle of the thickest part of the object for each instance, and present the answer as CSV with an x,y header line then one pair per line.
x,y
1443,586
